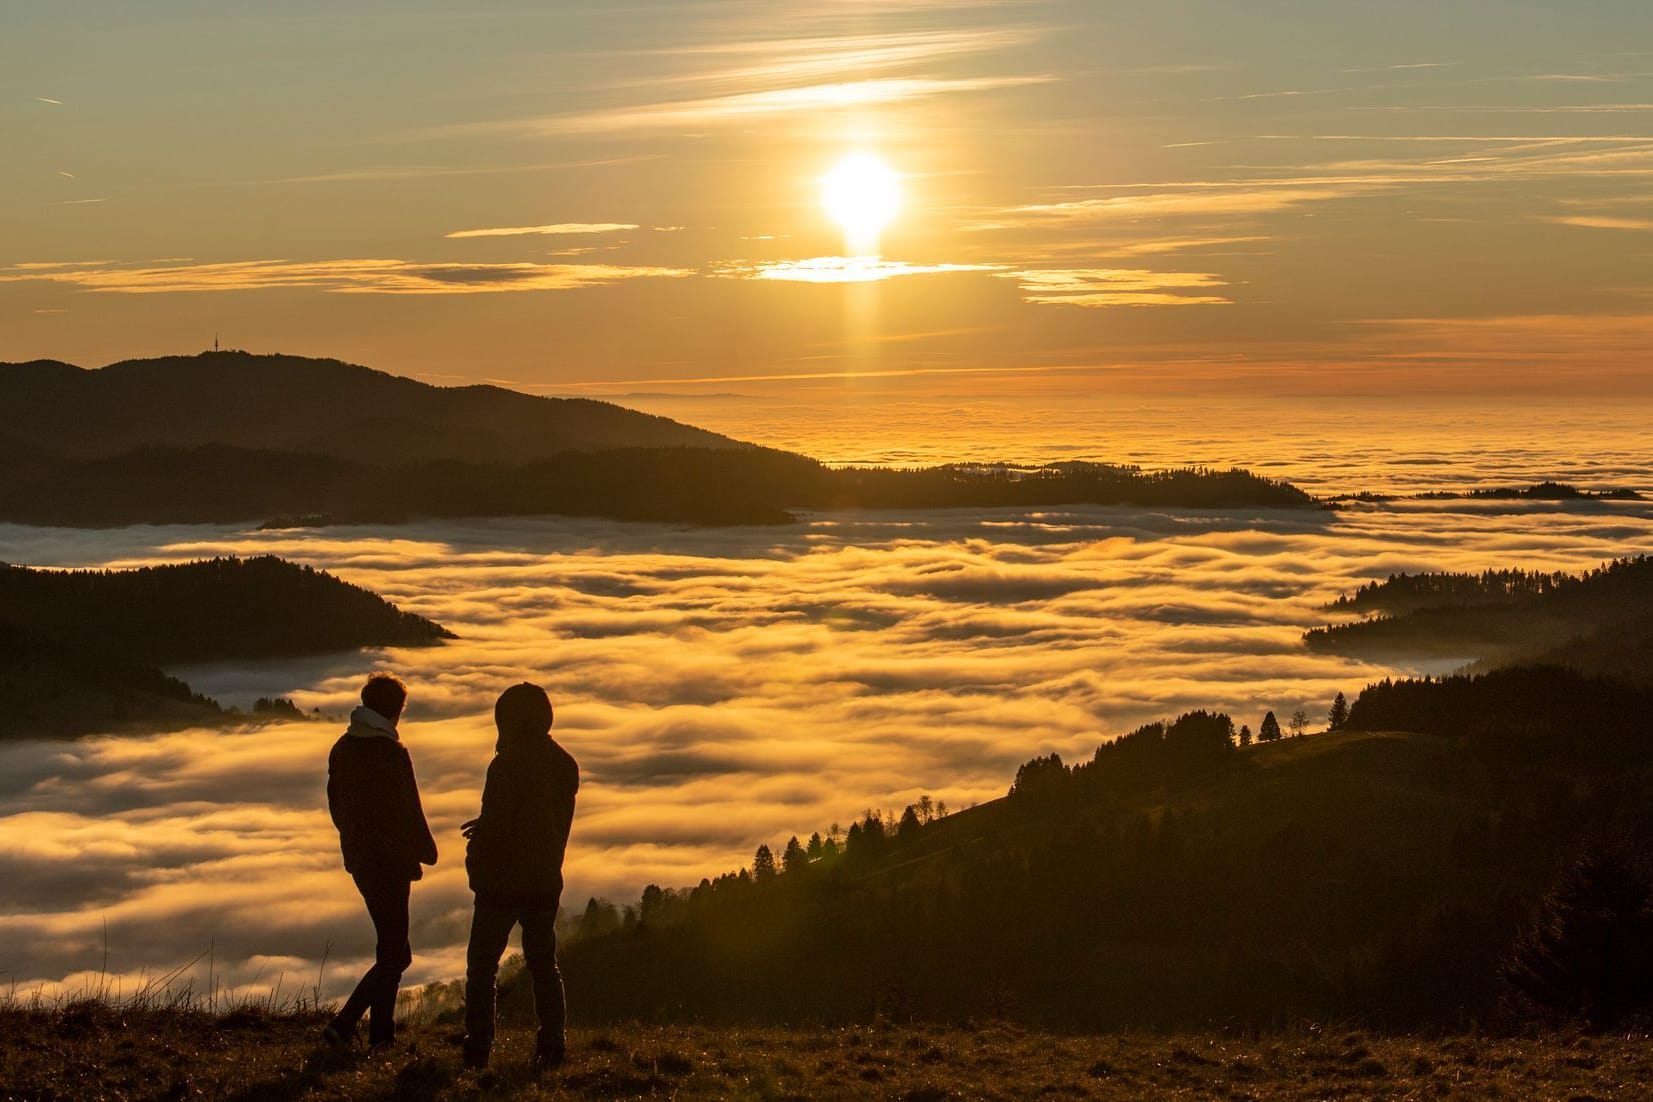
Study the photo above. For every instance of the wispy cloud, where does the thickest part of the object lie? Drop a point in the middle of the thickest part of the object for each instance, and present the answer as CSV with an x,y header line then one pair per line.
x,y
46,99
819,57
551,230
1602,222
397,277
420,172
1405,65
1102,287
1157,246
746,106
1246,197
839,269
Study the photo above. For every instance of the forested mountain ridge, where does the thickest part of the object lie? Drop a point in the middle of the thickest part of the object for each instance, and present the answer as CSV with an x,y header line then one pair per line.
x,y
312,406
79,649
233,438
218,483
1396,878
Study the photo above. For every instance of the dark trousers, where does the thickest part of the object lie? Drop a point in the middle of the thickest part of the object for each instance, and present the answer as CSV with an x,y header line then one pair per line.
x,y
490,931
387,905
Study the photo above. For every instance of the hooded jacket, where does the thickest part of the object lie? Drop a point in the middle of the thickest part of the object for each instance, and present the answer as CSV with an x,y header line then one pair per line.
x,y
516,849
374,800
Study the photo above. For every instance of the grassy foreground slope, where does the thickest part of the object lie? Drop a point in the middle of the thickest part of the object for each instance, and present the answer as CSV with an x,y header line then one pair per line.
x,y
91,1052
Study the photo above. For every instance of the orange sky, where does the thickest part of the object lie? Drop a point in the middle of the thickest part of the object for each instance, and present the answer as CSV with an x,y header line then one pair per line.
x,y
587,197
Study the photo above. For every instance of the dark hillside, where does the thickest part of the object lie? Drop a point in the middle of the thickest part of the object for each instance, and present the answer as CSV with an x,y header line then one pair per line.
x,y
221,608
79,648
1596,621
294,403
49,688
1175,880
227,437
217,483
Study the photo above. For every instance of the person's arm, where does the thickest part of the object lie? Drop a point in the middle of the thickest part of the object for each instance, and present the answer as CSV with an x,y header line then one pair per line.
x,y
486,830
565,802
418,827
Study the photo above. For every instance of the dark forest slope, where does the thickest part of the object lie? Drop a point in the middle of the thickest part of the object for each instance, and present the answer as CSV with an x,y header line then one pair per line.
x,y
1381,876
79,649
1599,621
314,406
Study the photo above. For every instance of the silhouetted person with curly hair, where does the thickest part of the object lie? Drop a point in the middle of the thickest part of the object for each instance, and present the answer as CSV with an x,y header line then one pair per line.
x,y
514,859
374,801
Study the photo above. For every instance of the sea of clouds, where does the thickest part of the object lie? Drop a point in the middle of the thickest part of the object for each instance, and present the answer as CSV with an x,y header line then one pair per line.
x,y
720,688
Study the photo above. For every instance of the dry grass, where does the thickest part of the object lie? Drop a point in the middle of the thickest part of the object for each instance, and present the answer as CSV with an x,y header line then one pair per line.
x,y
91,1050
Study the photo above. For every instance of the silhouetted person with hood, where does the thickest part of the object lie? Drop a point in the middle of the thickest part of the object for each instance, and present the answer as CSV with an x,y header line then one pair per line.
x,y
374,801
515,864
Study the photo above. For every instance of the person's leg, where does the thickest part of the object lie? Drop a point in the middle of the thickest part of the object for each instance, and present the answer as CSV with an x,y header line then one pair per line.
x,y
539,954
388,904
490,931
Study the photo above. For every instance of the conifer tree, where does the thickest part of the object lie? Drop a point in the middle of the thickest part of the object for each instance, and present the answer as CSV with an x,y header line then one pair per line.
x,y
1339,714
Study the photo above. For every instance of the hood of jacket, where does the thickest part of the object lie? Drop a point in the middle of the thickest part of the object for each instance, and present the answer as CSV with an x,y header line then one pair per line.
x,y
366,723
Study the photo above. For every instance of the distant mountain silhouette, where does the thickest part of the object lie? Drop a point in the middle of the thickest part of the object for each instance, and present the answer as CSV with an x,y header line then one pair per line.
x,y
315,406
79,648
229,437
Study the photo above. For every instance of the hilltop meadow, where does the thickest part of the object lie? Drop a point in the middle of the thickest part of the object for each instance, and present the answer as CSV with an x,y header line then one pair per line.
x,y
90,1051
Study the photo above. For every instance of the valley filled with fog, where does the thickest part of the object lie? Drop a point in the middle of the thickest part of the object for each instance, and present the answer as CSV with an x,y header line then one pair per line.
x,y
720,688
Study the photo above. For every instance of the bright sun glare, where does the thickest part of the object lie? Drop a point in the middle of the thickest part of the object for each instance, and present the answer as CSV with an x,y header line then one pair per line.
x,y
862,194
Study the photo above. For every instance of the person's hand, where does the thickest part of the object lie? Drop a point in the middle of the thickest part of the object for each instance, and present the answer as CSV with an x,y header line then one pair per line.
x,y
469,828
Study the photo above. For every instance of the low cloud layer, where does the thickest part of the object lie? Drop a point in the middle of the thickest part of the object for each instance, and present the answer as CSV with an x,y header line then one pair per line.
x,y
719,688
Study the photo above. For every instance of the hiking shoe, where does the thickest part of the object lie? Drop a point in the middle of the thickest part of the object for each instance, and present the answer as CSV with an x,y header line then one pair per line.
x,y
335,1038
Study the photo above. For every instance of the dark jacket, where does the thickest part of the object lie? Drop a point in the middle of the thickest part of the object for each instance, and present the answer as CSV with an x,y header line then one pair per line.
x,y
516,849
374,800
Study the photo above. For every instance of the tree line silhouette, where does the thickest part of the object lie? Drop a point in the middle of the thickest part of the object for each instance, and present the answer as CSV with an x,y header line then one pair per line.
x,y
1182,877
219,483
1593,621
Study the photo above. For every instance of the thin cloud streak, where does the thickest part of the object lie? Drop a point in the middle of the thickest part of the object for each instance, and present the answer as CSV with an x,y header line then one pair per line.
x,y
749,106
389,277
808,59
1602,222
839,269
555,229
1101,287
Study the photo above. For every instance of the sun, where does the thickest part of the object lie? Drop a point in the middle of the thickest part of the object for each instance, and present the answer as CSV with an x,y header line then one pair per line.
x,y
863,195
